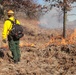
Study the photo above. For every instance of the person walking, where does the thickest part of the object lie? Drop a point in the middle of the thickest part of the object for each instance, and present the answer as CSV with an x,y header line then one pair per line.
x,y
13,42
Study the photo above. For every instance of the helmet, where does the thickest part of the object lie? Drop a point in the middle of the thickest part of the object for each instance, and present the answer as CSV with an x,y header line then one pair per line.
x,y
10,12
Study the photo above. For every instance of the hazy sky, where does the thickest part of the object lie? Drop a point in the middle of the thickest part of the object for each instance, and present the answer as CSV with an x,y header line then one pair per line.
x,y
40,1
71,15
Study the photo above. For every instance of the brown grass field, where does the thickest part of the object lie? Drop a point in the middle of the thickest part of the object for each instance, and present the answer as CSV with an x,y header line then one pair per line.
x,y
43,52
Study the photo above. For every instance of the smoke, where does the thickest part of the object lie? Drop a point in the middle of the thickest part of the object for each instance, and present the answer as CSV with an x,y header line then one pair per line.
x,y
52,19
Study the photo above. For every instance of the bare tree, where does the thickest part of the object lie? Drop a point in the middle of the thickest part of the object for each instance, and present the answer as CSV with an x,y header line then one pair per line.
x,y
30,7
65,5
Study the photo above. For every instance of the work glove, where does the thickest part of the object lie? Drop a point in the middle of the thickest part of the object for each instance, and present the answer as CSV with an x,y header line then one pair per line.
x,y
4,40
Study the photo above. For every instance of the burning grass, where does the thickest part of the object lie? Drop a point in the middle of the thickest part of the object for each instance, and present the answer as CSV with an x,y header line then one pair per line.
x,y
42,54
59,40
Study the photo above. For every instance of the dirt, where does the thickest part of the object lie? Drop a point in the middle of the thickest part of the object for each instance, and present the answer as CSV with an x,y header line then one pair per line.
x,y
38,57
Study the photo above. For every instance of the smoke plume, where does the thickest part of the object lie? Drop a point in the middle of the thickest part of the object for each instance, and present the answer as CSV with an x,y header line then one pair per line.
x,y
52,19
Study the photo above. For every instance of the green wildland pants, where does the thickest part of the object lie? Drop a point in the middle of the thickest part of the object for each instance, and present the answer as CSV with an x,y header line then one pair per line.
x,y
14,48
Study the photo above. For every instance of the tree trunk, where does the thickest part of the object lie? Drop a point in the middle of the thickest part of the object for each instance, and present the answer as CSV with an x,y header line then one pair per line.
x,y
64,19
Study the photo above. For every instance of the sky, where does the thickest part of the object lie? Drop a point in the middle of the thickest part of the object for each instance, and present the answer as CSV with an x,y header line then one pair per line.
x,y
40,1
73,11
71,14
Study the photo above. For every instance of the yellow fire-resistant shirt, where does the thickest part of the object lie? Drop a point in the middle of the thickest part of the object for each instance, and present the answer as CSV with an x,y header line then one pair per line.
x,y
7,27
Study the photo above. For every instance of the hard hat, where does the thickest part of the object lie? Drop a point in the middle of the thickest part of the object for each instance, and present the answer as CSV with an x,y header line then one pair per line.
x,y
10,12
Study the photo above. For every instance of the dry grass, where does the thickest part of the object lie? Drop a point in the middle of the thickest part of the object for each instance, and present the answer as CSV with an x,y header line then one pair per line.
x,y
36,58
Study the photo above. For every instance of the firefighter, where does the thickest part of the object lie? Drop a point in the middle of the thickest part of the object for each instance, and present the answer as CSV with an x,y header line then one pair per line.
x,y
12,42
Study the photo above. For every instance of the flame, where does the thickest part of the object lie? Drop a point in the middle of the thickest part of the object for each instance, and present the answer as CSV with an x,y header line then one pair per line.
x,y
29,44
63,42
22,44
71,39
57,40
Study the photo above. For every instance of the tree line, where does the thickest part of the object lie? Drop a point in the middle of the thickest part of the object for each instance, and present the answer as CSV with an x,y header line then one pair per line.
x,y
29,7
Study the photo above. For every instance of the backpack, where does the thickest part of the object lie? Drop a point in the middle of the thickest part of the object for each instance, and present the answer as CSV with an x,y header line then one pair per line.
x,y
16,31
